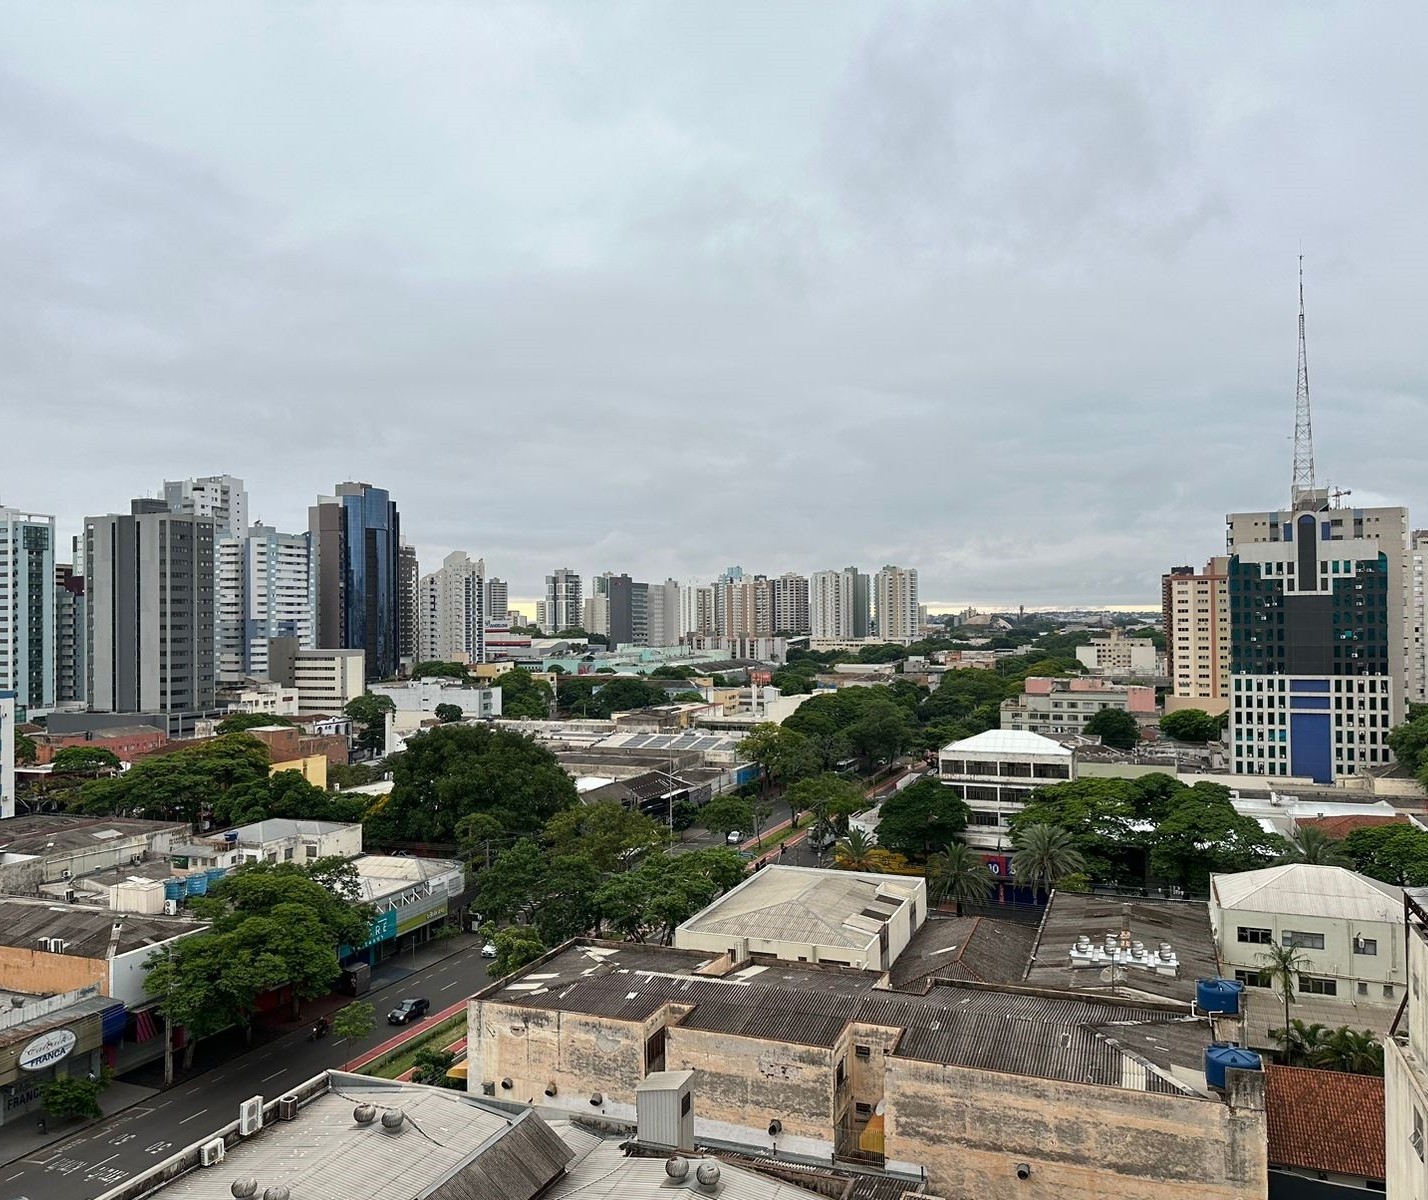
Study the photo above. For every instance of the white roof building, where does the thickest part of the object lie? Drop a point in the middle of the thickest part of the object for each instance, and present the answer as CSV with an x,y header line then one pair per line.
x,y
1310,890
995,773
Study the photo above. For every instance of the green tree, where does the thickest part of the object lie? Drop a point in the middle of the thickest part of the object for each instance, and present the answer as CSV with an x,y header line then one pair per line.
x,y
830,798
453,771
511,886
449,713
612,836
430,1065
958,874
674,672
683,815
1310,844
1190,725
516,945
238,722
74,1097
370,712
1115,727
184,785
623,693
1199,833
1283,965
1043,855
25,751
1409,743
882,733
85,760
1358,1052
665,890
725,814
354,1021
523,696
341,776
439,670
855,851
286,795
922,816
1396,854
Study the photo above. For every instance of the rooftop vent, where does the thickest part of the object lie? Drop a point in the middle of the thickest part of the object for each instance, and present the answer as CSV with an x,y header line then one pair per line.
x,y
364,1114
279,1192
707,1173
392,1119
677,1167
242,1189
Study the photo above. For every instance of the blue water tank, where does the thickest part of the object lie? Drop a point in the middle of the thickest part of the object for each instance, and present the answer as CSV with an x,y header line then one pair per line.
x,y
198,883
174,889
1218,995
1219,1058
215,874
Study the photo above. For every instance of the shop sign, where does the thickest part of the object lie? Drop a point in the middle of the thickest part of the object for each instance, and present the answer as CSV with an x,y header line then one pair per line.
x,y
47,1050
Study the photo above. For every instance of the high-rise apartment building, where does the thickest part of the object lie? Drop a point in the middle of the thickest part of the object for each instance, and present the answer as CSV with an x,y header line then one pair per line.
x,y
626,608
222,498
356,537
71,684
498,601
265,587
451,606
696,608
7,755
543,609
563,599
149,583
595,612
790,604
839,604
896,605
1418,600
27,609
1195,608
408,579
663,607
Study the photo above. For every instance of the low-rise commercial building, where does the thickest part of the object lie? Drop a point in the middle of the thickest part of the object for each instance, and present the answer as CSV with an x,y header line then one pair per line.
x,y
852,919
1115,654
1347,927
326,681
44,848
418,698
983,1091
43,1038
277,839
411,897
125,742
995,773
1050,706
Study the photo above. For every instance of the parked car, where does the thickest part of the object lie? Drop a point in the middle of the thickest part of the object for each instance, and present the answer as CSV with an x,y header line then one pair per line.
x,y
488,950
734,838
408,1011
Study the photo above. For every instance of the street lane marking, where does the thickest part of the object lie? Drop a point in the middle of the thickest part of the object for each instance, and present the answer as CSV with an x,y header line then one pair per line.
x,y
449,986
192,1116
102,1161
15,1176
274,1075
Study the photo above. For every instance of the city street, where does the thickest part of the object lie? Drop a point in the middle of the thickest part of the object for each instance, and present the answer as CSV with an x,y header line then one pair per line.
x,y
100,1156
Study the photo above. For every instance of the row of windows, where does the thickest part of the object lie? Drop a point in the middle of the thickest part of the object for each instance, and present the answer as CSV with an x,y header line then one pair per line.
x,y
1300,939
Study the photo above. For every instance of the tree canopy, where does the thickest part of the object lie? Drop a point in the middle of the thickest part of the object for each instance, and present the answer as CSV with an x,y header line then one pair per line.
x,y
523,696
448,714
1190,725
921,818
454,771
181,786
1409,743
25,750
370,712
598,698
439,670
1115,727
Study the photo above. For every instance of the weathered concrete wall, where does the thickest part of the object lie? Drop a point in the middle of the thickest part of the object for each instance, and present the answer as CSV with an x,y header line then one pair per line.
x,y
42,972
971,1129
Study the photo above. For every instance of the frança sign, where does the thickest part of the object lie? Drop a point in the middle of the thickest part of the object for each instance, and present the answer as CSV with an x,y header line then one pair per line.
x,y
47,1050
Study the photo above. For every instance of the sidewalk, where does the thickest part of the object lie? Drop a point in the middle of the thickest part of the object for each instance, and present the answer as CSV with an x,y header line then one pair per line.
x,y
20,1135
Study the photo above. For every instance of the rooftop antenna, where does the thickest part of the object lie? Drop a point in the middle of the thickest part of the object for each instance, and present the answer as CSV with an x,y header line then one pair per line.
x,y
1302,493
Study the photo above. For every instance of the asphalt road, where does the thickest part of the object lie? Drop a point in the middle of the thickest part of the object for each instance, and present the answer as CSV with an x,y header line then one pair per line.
x,y
130,1142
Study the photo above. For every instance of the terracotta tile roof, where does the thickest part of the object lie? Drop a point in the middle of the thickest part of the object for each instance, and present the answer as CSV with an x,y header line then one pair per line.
x,y
1326,1121
1339,828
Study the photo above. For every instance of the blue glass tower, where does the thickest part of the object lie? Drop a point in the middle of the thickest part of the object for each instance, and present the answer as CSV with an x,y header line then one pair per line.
x,y
357,535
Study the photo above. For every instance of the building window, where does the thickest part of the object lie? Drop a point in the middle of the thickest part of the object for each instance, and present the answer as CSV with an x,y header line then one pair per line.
x,y
1303,941
1366,945
1363,989
1314,985
1258,979
1256,937
1388,991
863,1051
1416,1141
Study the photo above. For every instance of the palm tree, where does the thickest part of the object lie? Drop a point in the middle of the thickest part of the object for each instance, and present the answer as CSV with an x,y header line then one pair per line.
x,y
1301,1041
1345,1049
1312,845
960,875
854,852
1044,856
1284,965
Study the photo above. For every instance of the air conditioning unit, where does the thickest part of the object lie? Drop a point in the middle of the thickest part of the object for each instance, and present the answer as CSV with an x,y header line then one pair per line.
x,y
170,908
287,1108
210,1154
250,1116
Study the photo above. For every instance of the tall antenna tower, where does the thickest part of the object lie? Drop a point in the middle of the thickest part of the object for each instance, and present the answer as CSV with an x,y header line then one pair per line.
x,y
1302,493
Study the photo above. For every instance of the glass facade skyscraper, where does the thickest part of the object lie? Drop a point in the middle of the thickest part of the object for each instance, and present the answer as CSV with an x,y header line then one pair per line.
x,y
357,539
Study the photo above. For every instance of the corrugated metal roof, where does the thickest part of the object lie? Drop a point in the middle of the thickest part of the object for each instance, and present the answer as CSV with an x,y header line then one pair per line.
x,y
604,1172
1310,890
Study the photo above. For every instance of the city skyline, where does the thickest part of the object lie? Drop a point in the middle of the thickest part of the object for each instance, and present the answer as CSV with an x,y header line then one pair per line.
x,y
1025,337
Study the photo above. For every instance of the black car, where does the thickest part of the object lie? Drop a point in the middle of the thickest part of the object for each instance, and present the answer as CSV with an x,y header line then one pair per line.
x,y
408,1011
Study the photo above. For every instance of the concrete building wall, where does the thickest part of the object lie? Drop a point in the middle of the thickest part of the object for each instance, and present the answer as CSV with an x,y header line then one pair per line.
x,y
326,680
41,972
451,616
1195,612
971,1129
1406,1083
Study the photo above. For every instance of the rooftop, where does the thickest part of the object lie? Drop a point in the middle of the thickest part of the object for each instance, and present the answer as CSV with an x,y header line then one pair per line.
x,y
61,833
277,829
984,949
1009,742
807,905
86,931
1109,1041
1325,1121
1310,890
380,875
1340,827
1185,924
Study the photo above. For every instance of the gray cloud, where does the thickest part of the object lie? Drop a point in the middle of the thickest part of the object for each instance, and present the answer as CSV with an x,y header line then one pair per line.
x,y
1003,292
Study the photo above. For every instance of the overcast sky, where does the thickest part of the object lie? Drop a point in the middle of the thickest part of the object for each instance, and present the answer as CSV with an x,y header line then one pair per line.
x,y
1003,292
